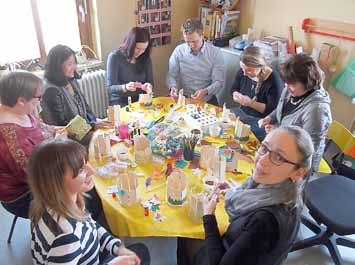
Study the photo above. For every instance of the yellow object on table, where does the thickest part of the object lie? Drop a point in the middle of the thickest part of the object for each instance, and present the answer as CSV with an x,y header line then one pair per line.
x,y
131,221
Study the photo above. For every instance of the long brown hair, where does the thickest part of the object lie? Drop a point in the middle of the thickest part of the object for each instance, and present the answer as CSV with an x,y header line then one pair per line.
x,y
134,35
47,166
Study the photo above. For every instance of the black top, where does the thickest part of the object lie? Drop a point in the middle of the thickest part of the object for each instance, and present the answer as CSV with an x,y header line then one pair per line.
x,y
60,106
270,92
121,71
246,242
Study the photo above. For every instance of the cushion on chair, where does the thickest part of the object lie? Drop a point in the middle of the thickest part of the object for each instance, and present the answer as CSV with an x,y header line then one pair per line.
x,y
330,200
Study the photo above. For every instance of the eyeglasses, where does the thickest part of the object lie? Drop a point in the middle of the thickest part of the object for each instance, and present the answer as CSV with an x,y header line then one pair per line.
x,y
275,157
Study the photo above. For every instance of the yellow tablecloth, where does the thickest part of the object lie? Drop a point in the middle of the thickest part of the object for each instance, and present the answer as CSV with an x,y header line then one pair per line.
x,y
131,221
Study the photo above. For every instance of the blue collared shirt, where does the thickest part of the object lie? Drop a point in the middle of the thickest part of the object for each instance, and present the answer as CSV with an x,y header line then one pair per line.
x,y
197,71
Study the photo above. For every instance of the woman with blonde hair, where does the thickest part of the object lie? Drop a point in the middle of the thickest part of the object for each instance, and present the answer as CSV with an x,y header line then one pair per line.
x,y
257,88
62,230
20,132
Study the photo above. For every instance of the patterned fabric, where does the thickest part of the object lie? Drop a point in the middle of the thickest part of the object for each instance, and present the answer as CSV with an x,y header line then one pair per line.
x,y
16,145
57,240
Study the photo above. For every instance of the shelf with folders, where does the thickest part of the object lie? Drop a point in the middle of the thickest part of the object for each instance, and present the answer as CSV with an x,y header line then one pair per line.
x,y
218,24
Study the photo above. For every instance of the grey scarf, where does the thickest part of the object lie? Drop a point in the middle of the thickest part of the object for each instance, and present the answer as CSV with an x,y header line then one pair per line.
x,y
251,196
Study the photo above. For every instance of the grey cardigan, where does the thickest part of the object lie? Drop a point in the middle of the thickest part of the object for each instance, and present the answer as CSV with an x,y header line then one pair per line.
x,y
313,115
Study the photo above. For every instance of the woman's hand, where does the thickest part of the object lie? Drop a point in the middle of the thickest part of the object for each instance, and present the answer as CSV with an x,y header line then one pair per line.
x,y
103,125
242,99
123,251
264,122
148,88
209,202
130,87
124,260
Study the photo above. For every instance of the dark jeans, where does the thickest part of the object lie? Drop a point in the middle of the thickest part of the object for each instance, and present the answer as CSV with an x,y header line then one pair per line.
x,y
139,248
19,207
252,121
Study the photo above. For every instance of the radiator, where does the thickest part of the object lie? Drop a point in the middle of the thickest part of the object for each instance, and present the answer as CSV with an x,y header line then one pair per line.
x,y
93,86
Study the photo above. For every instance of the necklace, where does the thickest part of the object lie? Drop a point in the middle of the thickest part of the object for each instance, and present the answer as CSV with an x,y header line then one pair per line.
x,y
295,102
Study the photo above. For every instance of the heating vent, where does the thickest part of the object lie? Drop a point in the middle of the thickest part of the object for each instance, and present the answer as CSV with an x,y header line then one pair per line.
x,y
93,86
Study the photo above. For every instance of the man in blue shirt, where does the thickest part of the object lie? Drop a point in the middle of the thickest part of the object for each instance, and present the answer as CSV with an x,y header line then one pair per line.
x,y
196,66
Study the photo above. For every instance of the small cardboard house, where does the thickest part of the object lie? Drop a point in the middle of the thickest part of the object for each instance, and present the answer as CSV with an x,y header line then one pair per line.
x,y
242,131
128,189
195,208
142,151
176,187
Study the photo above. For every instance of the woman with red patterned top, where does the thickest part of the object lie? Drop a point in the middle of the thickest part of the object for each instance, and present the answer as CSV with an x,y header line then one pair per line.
x,y
20,132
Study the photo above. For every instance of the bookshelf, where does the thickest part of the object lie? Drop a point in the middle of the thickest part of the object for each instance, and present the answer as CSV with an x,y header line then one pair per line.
x,y
217,22
214,7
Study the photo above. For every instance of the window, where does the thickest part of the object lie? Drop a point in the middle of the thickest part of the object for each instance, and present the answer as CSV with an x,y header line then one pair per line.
x,y
30,28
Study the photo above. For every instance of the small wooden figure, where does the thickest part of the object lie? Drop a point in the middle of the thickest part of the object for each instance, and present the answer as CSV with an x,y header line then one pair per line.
x,y
181,99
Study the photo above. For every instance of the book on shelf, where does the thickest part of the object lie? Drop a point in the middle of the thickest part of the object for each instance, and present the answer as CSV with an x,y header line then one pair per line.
x,y
230,24
78,127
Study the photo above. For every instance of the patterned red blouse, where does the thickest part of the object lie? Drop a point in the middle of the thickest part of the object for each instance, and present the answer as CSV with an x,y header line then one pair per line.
x,y
16,145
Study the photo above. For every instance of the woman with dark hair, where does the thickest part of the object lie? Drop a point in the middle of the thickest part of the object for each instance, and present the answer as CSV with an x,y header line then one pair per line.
x,y
62,231
20,132
257,88
62,99
303,102
264,213
129,69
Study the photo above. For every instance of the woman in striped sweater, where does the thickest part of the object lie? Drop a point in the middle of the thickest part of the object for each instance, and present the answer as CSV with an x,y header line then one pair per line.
x,y
62,231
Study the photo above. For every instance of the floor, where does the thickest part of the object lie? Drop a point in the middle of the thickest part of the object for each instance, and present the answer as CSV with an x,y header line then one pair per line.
x,y
162,249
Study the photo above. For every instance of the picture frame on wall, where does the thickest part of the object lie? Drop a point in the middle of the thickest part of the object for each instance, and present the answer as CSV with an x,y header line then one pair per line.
x,y
155,15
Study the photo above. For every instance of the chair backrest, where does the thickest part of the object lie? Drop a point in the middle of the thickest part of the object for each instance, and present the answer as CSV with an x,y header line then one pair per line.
x,y
341,136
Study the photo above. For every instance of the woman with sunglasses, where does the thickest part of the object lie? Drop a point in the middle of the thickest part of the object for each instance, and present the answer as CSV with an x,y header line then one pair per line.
x,y
257,88
62,230
264,211
20,132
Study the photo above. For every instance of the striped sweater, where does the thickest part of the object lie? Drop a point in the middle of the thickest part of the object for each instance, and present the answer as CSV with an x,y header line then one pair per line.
x,y
69,241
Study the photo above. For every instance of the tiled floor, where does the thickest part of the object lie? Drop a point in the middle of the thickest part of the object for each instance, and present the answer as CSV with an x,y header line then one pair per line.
x,y
162,249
